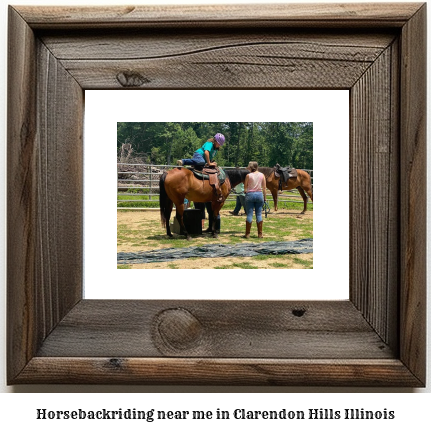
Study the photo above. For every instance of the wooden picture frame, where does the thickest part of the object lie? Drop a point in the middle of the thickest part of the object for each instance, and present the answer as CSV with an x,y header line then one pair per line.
x,y
376,338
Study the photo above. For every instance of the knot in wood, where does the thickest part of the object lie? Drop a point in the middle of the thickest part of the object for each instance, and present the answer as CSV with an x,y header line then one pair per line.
x,y
178,329
298,312
131,79
115,363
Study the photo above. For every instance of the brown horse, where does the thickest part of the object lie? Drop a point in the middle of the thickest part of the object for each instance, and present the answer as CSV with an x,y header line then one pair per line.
x,y
179,183
302,182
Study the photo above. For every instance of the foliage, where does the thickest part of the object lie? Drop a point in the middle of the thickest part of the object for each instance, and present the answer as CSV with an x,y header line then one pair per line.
x,y
286,143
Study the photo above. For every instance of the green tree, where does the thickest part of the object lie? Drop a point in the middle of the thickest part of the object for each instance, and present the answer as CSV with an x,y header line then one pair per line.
x,y
286,143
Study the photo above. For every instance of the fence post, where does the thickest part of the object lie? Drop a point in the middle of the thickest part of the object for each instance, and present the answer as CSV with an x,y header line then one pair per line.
x,y
151,183
157,177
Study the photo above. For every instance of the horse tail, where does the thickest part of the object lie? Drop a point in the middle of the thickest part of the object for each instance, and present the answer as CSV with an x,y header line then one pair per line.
x,y
310,189
163,199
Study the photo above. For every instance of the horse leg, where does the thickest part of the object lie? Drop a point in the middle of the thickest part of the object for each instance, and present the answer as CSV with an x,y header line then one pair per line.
x,y
309,190
208,207
167,212
180,218
304,197
216,206
274,193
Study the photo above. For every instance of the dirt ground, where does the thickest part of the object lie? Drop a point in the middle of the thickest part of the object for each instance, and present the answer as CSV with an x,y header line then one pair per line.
x,y
151,219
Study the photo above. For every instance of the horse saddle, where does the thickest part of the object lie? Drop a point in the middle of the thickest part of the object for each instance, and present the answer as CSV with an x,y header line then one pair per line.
x,y
216,177
284,174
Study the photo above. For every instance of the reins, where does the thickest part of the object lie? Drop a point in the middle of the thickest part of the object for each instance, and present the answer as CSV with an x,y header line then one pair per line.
x,y
266,208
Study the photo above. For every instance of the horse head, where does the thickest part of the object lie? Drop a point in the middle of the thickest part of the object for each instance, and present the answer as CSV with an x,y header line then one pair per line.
x,y
236,175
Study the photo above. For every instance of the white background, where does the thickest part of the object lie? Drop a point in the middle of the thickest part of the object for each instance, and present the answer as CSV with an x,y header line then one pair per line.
x,y
19,409
329,112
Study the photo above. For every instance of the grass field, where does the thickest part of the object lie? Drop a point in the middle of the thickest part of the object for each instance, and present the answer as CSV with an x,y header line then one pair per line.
x,y
139,200
142,231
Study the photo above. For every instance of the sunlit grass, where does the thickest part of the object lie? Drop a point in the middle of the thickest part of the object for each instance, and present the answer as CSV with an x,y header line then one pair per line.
x,y
146,233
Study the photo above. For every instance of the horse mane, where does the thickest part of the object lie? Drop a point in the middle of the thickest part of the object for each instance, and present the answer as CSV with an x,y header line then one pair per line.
x,y
266,171
236,175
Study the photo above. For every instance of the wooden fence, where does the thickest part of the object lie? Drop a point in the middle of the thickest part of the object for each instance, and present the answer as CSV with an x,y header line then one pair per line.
x,y
140,183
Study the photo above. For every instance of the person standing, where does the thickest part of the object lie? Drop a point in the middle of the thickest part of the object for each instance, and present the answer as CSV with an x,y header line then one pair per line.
x,y
255,197
208,206
240,199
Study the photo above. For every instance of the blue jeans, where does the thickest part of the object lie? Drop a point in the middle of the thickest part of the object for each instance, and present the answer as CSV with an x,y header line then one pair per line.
x,y
240,202
254,201
197,159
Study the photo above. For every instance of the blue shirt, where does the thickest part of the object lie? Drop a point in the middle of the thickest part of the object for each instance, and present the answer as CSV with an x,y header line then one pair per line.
x,y
209,146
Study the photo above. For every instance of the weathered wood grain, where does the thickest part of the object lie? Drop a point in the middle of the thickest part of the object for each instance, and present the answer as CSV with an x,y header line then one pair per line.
x,y
301,15
202,72
59,183
226,329
217,371
21,195
45,106
392,302
251,59
140,44
413,194
373,202
376,338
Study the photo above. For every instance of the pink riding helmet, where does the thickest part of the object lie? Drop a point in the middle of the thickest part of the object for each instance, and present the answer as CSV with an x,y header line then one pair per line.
x,y
219,138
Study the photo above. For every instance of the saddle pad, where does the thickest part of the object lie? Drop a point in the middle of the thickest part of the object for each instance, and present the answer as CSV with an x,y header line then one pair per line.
x,y
202,176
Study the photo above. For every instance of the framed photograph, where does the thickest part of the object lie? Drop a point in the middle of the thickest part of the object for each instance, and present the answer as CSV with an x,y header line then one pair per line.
x,y
376,337
136,233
